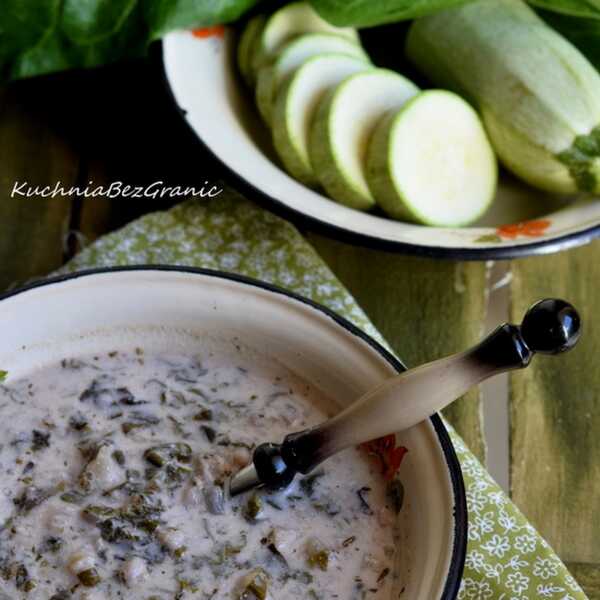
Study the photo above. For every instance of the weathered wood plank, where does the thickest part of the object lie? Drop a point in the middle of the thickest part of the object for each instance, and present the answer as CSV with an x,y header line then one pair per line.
x,y
588,576
94,217
32,230
555,415
425,309
131,141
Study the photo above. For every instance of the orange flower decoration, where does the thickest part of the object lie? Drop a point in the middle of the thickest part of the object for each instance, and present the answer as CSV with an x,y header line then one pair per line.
x,y
526,228
384,452
206,32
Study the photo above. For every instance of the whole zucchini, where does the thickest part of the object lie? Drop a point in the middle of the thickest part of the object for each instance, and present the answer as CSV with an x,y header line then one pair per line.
x,y
539,97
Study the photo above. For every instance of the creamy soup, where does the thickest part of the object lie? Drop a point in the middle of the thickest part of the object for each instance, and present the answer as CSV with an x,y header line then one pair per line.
x,y
113,470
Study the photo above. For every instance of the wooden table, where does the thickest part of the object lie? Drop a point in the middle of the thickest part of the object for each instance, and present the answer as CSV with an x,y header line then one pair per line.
x,y
116,124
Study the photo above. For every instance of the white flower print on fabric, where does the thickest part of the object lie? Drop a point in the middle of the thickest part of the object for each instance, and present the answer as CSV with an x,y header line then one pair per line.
x,y
544,568
517,582
475,560
570,581
230,233
497,498
493,571
484,523
476,499
548,591
469,467
516,563
475,590
507,522
498,545
525,543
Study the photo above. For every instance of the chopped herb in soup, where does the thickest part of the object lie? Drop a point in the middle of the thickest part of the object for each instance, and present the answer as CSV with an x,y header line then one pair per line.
x,y
113,472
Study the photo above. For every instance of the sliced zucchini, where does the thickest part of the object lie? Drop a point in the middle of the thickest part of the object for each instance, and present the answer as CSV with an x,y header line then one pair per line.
x,y
291,57
289,21
343,126
296,104
431,162
538,96
246,47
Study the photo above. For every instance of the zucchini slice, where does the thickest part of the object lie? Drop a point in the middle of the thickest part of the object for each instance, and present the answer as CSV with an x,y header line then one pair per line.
x,y
296,104
431,162
288,22
343,127
247,46
270,77
538,96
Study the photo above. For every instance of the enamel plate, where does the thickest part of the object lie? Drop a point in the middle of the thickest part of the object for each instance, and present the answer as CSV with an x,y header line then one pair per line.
x,y
162,308
201,73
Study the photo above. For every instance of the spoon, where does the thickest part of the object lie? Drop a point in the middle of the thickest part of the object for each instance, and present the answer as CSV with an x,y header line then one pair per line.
x,y
550,326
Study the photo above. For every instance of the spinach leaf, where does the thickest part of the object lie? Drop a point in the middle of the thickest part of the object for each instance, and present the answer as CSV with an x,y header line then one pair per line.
x,y
163,16
24,24
43,36
368,13
583,33
576,8
89,21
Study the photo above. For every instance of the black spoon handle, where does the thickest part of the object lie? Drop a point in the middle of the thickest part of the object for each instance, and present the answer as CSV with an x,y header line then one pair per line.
x,y
549,327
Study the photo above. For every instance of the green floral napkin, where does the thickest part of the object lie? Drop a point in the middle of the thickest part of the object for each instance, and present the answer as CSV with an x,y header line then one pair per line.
x,y
506,559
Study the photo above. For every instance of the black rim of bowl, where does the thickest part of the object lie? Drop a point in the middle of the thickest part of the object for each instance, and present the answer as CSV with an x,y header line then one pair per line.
x,y
459,549
556,244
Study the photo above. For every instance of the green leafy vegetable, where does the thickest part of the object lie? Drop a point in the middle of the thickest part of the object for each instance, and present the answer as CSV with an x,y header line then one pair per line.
x,y
51,544
576,8
89,577
166,15
52,35
3,375
307,484
319,559
253,508
25,24
78,422
22,578
255,586
30,498
159,456
366,13
120,525
395,494
73,497
87,21
39,440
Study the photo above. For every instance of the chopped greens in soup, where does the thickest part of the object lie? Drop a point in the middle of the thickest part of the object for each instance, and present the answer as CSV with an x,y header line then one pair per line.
x,y
113,470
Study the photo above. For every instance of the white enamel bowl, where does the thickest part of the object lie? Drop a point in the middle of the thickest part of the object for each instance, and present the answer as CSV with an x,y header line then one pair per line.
x,y
201,75
161,307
